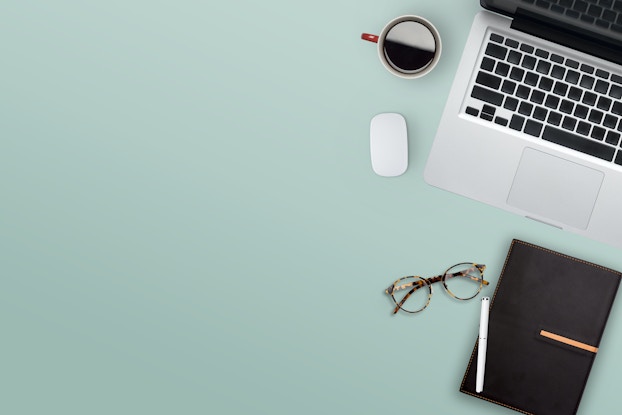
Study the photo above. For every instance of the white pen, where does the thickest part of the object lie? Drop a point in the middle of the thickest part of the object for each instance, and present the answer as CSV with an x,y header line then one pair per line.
x,y
481,345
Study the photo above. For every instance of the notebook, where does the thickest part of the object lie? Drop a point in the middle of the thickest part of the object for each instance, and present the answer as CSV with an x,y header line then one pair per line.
x,y
546,321
533,121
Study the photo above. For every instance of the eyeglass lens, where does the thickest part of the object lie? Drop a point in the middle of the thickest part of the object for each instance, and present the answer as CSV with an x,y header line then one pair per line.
x,y
463,281
409,46
418,299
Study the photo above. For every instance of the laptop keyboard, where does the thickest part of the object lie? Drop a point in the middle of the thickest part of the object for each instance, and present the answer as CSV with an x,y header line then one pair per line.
x,y
545,95
606,14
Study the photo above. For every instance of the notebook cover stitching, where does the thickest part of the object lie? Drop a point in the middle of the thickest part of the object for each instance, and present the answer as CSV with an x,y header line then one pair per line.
x,y
507,258
565,256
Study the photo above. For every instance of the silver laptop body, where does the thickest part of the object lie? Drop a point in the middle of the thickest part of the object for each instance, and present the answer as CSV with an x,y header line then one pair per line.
x,y
533,126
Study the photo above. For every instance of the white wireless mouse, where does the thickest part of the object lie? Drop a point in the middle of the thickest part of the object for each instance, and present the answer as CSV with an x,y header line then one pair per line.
x,y
388,141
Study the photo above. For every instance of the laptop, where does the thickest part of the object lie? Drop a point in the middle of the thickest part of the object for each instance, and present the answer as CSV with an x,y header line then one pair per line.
x,y
533,122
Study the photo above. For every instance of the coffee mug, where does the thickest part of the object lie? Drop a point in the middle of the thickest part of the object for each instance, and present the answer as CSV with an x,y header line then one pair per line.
x,y
409,46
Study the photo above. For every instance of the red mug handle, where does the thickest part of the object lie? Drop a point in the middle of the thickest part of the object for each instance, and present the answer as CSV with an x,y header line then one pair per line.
x,y
371,38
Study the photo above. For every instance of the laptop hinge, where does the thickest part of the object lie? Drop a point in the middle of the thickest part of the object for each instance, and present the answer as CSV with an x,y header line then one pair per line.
x,y
567,35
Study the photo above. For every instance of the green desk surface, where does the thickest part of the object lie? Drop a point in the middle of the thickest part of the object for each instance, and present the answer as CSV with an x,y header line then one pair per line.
x,y
190,223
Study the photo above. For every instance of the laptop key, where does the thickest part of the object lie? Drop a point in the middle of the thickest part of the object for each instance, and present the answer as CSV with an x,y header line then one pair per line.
x,y
514,57
583,128
531,78
543,67
487,64
540,113
569,123
572,63
496,51
525,108
523,91
542,53
604,103
560,88
496,38
546,83
602,23
537,96
558,72
573,13
508,87
618,159
526,48
601,86
485,116
472,111
594,10
516,123
578,143
598,133
610,121
595,116
615,92
501,121
488,79
512,103
486,95
557,58
587,81
517,74
609,16
589,98
566,106
533,128
612,138
555,118
529,62
575,93
502,69
488,109
602,74
552,101
581,111
572,76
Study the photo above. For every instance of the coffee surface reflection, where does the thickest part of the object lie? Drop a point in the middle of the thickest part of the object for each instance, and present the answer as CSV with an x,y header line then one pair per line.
x,y
409,47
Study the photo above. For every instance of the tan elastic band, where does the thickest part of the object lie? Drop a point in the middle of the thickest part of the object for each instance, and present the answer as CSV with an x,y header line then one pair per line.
x,y
568,341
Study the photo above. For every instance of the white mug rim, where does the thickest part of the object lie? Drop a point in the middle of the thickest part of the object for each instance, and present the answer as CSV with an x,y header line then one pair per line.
x,y
409,18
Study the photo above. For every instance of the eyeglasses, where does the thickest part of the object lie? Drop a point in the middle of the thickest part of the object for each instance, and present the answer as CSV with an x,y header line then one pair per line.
x,y
462,281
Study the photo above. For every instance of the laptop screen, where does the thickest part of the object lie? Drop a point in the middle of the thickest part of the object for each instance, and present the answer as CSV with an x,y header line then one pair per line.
x,y
598,18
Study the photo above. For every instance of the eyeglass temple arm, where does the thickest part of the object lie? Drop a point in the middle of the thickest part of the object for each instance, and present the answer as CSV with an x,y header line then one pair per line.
x,y
481,269
459,274
393,288
417,285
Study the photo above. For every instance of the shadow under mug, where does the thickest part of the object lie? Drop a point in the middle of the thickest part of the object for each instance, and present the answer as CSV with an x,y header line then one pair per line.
x,y
409,46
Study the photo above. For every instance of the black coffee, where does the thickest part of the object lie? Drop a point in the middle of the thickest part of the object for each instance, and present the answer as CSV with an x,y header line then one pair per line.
x,y
409,47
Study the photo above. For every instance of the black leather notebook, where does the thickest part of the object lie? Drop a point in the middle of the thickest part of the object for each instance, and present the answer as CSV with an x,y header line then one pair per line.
x,y
546,320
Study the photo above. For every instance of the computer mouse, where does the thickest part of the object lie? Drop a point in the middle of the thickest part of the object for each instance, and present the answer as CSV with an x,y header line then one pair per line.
x,y
388,140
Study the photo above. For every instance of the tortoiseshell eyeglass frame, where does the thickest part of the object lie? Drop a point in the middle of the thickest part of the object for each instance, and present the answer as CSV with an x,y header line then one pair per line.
x,y
427,282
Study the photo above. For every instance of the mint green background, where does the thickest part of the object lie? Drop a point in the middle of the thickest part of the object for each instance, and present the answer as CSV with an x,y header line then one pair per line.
x,y
190,224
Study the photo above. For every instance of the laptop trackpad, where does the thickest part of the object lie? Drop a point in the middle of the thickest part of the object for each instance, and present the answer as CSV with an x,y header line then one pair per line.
x,y
555,188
